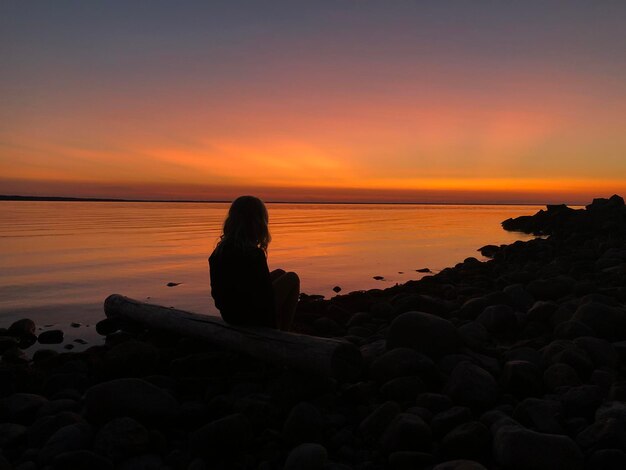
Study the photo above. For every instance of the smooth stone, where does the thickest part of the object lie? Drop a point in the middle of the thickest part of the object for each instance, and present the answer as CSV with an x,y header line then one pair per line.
x,y
475,336
541,415
459,465
600,351
607,459
120,439
499,320
225,436
11,434
21,408
522,379
80,460
472,386
572,329
307,456
607,322
402,389
400,362
582,401
407,460
434,402
604,434
42,429
131,358
50,337
130,397
612,409
517,448
447,420
378,420
521,300
107,326
551,289
470,440
560,375
23,327
542,311
304,424
423,332
142,462
66,439
406,432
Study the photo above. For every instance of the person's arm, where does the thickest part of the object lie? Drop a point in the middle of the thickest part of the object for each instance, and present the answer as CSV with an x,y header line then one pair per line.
x,y
265,289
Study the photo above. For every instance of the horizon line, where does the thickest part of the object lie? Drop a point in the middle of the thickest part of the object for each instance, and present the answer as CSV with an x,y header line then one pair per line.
x,y
18,198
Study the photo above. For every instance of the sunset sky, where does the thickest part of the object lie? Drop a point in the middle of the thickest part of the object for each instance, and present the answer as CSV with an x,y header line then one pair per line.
x,y
442,101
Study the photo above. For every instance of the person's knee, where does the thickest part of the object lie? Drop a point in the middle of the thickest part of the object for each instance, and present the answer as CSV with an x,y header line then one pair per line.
x,y
293,278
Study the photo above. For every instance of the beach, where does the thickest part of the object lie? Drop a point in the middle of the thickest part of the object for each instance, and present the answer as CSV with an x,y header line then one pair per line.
x,y
478,366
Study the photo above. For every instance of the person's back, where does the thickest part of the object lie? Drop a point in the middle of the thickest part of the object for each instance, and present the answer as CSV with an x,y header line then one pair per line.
x,y
241,285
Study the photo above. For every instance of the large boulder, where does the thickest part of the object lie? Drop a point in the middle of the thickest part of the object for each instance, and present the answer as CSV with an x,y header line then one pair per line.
x,y
472,386
307,456
606,321
130,397
423,332
499,320
518,448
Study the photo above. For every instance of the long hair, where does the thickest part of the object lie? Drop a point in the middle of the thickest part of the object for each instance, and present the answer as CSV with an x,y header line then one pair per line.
x,y
246,224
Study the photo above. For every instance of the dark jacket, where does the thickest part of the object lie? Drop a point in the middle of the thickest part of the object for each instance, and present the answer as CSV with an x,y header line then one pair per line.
x,y
241,286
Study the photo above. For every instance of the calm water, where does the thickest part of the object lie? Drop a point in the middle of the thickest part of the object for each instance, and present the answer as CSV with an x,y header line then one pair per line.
x,y
60,260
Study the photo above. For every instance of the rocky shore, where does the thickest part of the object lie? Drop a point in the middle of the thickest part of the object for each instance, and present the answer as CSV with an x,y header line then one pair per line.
x,y
514,363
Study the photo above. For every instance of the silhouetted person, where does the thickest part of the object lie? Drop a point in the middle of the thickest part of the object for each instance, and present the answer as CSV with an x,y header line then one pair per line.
x,y
244,290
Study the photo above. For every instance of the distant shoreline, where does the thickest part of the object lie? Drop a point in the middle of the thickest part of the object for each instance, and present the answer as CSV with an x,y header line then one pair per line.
x,y
15,198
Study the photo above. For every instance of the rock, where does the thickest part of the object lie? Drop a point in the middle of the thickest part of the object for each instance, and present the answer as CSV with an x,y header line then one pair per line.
x,y
551,289
304,424
142,462
447,420
489,251
560,375
472,386
121,438
23,327
42,429
517,448
522,379
406,432
582,401
173,284
607,459
378,278
424,333
542,311
11,435
475,336
459,465
80,460
470,440
614,409
400,362
521,300
21,408
225,436
499,320
337,289
307,456
607,322
434,402
376,422
406,460
131,359
601,352
107,326
67,439
51,337
571,329
566,352
130,397
541,415
371,351
8,342
605,434
402,389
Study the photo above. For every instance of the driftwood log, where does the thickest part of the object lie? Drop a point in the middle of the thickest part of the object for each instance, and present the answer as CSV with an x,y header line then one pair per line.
x,y
331,357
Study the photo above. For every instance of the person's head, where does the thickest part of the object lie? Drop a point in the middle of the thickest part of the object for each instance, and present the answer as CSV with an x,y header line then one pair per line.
x,y
246,224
